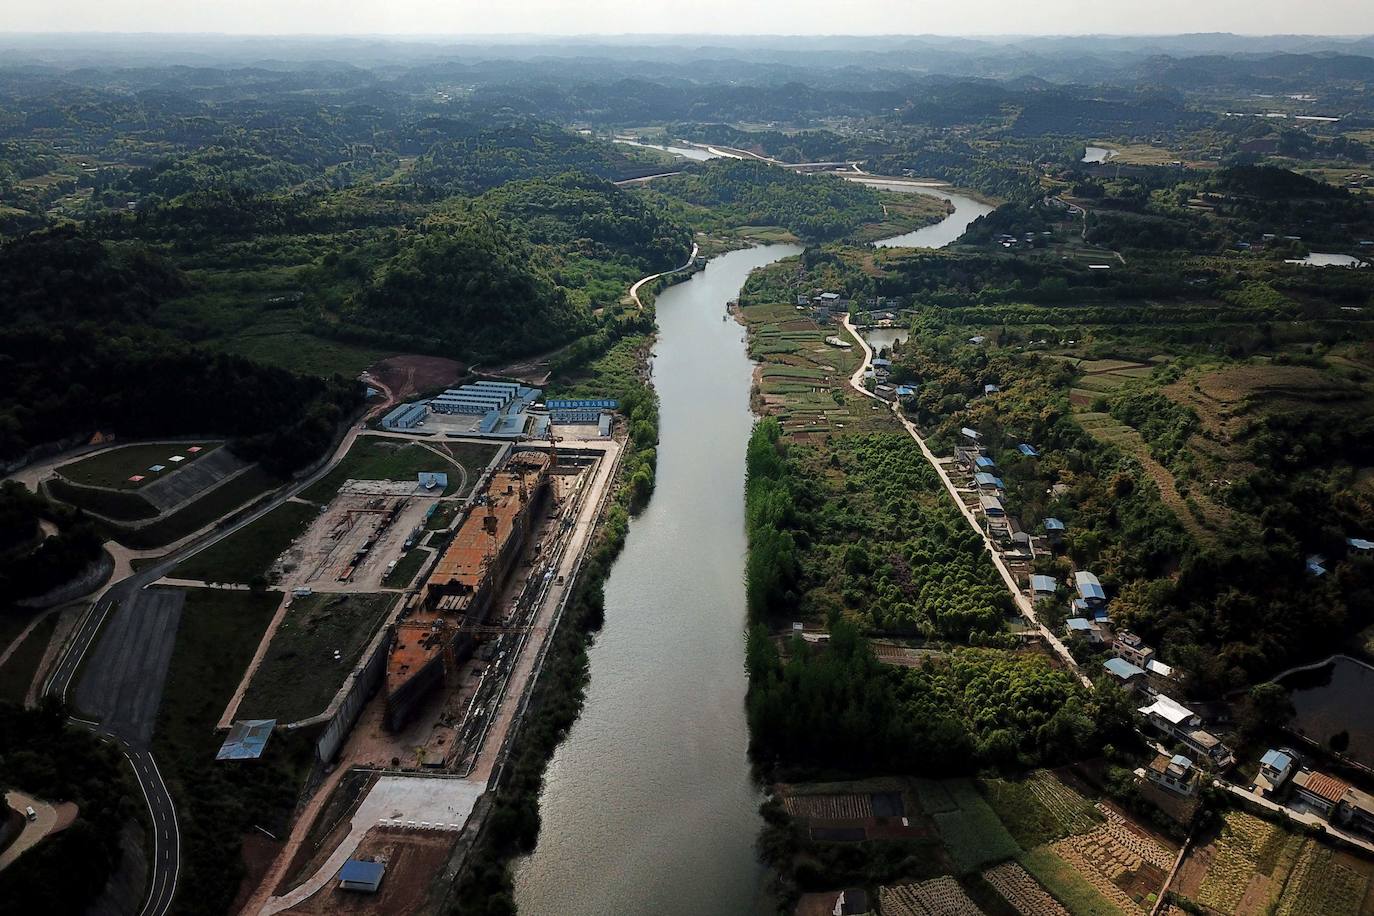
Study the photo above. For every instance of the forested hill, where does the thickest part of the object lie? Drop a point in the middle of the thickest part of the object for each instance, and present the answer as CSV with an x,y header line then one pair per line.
x,y
77,356
741,192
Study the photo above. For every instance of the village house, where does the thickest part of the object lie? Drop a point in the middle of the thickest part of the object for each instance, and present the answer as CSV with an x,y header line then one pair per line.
x,y
1174,720
1132,648
1175,773
1126,674
1275,768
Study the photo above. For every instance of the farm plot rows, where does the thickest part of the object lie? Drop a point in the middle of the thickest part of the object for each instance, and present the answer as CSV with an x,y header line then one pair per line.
x,y
1235,860
1085,859
851,806
1022,891
936,897
1073,812
1320,886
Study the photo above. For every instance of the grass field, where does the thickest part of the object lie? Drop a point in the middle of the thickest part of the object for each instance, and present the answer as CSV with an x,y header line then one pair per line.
x,y
120,505
299,674
217,804
406,568
249,552
210,507
114,468
971,830
377,458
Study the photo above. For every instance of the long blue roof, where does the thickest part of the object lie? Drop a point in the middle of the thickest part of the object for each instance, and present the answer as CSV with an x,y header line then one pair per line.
x,y
1043,583
363,872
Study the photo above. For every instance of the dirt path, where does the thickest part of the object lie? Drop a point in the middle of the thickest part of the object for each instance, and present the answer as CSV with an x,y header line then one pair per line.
x,y
51,818
1023,604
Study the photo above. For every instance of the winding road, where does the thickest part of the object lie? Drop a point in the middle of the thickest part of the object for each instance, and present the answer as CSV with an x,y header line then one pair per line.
x,y
118,606
1023,604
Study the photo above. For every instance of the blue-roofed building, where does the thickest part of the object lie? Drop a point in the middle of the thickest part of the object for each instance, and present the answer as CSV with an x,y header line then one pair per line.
x,y
905,391
990,389
1276,766
971,434
1043,585
984,463
580,403
1123,670
247,739
987,481
1316,564
357,875
1360,544
1175,773
1054,524
406,416
1081,626
1089,589
1027,450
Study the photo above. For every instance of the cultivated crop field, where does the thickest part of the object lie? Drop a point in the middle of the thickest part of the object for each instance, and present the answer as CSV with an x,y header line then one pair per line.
x,y
1255,868
936,897
1022,891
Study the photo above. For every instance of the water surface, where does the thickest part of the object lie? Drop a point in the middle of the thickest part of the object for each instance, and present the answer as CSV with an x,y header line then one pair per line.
x,y
1334,698
686,152
1097,154
1325,259
936,235
648,806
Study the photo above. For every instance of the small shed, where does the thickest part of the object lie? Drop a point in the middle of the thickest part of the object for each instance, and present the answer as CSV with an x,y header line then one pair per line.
x,y
990,389
1053,525
984,463
1044,585
1028,450
971,434
988,481
247,739
433,480
357,875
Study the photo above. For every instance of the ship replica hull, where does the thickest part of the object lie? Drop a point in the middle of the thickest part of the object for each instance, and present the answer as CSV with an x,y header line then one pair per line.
x,y
432,638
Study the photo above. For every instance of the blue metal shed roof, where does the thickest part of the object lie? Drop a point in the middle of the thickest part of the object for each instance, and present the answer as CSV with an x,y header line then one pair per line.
x,y
985,479
246,740
362,872
1053,524
1043,584
1088,586
1028,450
983,461
1276,759
1122,668
1079,623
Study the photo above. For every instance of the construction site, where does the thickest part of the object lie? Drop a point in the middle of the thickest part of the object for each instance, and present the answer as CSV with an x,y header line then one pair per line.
x,y
432,681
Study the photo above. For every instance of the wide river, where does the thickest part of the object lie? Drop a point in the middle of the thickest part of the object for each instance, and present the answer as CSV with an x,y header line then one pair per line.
x,y
648,805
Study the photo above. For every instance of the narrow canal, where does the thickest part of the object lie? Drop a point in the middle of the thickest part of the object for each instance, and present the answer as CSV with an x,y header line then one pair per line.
x,y
648,805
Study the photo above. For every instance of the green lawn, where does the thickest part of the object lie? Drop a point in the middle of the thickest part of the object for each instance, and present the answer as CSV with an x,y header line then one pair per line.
x,y
120,505
209,508
378,458
299,675
220,802
249,552
115,467
972,833
406,568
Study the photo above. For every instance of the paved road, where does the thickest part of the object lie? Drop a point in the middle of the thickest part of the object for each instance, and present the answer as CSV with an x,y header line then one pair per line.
x,y
634,290
112,685
856,381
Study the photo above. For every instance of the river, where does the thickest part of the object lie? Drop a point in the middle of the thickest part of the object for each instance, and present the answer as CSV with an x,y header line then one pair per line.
x,y
936,235
686,152
649,805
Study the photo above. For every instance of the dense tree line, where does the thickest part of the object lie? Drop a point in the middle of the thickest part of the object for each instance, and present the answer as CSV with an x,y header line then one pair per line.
x,y
743,192
41,754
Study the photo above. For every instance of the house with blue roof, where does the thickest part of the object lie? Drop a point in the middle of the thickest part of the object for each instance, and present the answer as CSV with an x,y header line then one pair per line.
x,y
1027,450
987,481
1276,767
1089,589
1124,671
984,463
1081,626
1043,585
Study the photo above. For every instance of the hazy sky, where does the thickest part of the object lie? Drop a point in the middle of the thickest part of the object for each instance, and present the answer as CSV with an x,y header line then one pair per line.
x,y
777,17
